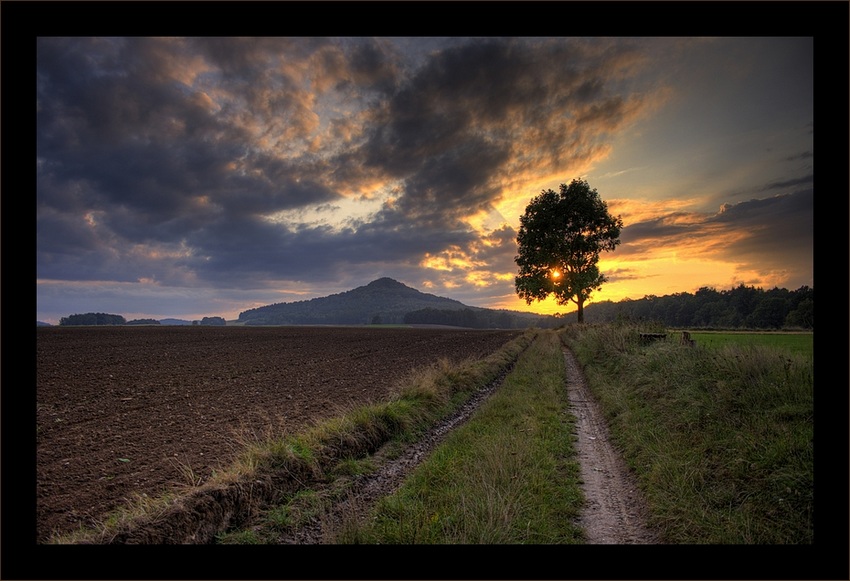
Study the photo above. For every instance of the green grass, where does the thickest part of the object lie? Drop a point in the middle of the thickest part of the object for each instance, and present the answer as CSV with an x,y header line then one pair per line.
x,y
507,476
802,343
721,437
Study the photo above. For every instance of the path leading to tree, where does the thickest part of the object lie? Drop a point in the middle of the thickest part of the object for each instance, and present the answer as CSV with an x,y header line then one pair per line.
x,y
615,512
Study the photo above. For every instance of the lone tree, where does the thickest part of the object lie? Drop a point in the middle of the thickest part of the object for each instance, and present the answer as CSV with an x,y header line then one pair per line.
x,y
560,238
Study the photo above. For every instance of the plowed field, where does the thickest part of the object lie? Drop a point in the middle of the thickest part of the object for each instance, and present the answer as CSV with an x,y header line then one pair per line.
x,y
123,411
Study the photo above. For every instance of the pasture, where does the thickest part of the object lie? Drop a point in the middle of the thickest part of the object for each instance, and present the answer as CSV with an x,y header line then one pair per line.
x,y
801,343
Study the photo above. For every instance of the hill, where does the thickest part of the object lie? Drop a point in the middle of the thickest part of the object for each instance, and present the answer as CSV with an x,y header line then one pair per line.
x,y
387,301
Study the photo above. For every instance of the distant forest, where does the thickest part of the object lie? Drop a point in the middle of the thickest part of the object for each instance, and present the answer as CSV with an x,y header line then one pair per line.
x,y
107,319
93,319
743,307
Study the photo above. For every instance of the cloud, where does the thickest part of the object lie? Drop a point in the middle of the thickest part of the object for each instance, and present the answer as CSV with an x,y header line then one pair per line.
x,y
188,145
797,181
263,163
778,231
771,236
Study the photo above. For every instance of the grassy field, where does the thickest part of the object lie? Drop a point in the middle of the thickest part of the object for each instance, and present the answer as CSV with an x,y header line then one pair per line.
x,y
486,485
802,343
721,438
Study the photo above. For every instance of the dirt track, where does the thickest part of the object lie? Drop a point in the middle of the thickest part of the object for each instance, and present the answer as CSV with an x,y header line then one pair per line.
x,y
615,512
137,410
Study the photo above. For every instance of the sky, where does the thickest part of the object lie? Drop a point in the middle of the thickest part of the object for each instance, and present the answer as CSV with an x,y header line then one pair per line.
x,y
189,177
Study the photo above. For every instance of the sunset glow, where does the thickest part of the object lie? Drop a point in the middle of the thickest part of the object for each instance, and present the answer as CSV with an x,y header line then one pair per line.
x,y
197,176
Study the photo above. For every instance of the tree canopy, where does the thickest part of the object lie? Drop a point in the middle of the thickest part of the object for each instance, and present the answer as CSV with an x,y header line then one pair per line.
x,y
742,307
560,238
92,319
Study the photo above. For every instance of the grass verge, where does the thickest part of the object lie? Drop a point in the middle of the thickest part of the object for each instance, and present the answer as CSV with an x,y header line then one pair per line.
x,y
507,476
802,343
721,438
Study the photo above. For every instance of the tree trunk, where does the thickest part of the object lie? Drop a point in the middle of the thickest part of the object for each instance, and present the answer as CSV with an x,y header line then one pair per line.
x,y
580,304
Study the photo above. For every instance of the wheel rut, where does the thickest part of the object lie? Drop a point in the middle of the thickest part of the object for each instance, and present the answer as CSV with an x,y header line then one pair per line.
x,y
615,512
367,490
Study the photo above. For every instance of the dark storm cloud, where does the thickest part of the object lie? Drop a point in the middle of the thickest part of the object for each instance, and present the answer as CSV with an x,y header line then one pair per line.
x,y
247,59
60,236
186,145
464,121
476,89
250,250
372,64
95,95
621,274
447,187
118,138
497,252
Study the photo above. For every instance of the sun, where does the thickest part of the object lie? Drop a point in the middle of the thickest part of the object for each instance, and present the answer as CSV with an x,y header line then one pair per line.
x,y
556,273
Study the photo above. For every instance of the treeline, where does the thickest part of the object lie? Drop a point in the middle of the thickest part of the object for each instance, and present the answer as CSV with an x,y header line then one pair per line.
x,y
93,319
478,319
107,319
743,307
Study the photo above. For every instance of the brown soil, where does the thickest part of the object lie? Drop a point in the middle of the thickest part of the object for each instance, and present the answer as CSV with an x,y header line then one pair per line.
x,y
615,512
126,411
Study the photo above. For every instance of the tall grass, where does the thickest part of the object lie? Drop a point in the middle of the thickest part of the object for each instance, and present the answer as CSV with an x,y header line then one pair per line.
x,y
507,476
802,343
721,438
